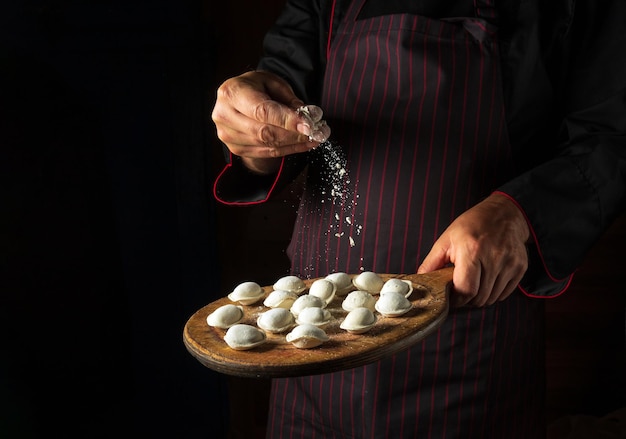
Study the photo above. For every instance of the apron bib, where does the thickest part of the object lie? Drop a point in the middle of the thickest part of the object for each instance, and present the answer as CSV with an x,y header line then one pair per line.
x,y
416,109
415,105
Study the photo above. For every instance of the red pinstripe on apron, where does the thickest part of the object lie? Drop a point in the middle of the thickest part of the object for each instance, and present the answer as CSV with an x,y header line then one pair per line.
x,y
416,106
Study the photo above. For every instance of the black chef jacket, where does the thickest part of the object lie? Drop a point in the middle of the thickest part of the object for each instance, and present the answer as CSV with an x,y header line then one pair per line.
x,y
564,81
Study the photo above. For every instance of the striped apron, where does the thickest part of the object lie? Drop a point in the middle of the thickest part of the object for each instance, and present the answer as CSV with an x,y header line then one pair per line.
x,y
420,136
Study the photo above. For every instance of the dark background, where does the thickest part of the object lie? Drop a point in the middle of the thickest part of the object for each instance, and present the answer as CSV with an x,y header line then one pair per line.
x,y
110,238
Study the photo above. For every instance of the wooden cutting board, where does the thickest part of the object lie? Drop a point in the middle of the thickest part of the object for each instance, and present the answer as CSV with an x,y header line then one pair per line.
x,y
278,358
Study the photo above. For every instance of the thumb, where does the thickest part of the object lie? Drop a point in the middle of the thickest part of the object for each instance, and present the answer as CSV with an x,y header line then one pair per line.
x,y
437,258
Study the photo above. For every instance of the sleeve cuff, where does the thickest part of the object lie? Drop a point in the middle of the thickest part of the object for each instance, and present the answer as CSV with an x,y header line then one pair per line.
x,y
538,281
236,185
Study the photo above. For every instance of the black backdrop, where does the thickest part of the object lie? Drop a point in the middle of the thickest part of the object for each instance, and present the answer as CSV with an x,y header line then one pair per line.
x,y
106,220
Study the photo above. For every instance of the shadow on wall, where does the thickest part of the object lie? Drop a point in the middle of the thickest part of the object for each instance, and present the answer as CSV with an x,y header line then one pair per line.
x,y
107,225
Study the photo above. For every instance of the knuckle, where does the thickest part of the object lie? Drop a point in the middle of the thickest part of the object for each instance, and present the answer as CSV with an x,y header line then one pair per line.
x,y
473,247
216,116
522,265
273,153
266,135
223,136
261,110
267,110
227,90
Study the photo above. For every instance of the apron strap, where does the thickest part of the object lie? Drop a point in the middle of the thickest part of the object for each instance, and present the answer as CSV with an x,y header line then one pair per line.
x,y
330,28
351,15
486,9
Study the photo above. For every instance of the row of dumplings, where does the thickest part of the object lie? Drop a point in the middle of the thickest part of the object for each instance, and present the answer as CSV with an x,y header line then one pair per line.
x,y
306,314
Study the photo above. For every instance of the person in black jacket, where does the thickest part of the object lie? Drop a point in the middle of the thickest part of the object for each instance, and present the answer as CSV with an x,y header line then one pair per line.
x,y
490,136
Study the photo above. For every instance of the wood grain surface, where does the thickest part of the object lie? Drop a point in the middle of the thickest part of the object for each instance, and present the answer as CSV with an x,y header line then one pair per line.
x,y
279,358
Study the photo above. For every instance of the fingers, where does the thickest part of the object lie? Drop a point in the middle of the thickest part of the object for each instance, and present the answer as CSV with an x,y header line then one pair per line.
x,y
466,283
264,143
261,124
261,96
483,284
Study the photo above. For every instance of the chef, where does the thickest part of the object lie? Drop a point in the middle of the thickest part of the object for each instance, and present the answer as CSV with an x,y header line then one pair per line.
x,y
487,135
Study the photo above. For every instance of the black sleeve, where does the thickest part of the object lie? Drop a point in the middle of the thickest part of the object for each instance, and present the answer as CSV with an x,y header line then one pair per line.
x,y
295,47
570,200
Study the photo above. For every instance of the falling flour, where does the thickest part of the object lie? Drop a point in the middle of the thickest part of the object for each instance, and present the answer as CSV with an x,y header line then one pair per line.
x,y
330,162
337,190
